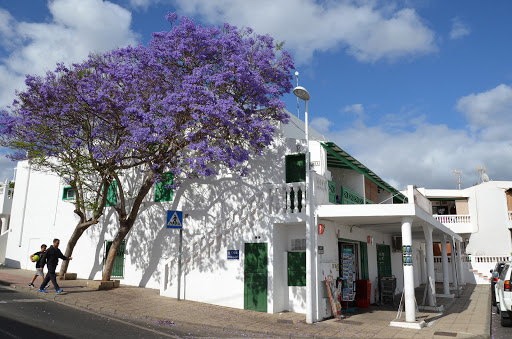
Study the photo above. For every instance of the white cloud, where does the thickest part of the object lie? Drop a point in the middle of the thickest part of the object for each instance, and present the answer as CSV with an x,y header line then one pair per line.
x,y
489,109
368,32
355,108
76,28
459,29
6,169
144,4
425,154
321,125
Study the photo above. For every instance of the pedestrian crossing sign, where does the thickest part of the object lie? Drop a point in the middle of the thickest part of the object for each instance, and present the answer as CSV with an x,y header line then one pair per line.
x,y
174,219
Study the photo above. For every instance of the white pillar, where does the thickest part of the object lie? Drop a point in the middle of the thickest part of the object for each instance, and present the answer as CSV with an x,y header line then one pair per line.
x,y
460,266
310,236
427,229
410,304
454,267
446,271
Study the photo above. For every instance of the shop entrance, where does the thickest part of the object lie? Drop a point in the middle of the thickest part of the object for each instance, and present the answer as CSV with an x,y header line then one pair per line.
x,y
349,268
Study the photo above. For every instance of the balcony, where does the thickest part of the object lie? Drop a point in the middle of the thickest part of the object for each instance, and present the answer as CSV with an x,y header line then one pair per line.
x,y
457,223
348,197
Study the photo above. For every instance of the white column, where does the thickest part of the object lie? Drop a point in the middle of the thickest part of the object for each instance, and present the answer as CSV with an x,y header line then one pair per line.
x,y
410,304
460,267
454,267
427,229
446,271
310,236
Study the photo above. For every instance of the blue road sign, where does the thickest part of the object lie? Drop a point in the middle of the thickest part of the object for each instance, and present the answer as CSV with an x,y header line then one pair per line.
x,y
174,219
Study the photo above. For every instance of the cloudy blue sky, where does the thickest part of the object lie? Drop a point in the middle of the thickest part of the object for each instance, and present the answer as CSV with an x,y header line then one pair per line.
x,y
413,89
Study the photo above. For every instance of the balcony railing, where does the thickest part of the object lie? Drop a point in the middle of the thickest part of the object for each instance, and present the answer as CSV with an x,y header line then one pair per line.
x,y
349,197
453,219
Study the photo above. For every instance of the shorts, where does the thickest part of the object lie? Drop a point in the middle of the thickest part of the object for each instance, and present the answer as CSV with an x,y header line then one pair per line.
x,y
39,272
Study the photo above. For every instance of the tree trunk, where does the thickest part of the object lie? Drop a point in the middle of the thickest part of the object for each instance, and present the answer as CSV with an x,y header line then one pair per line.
x,y
111,256
125,225
77,233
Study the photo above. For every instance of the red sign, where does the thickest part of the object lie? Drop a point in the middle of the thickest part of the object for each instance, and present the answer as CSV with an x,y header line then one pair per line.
x,y
369,240
321,228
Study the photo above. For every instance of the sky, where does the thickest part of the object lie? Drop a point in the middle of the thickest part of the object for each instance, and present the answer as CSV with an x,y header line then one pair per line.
x,y
414,89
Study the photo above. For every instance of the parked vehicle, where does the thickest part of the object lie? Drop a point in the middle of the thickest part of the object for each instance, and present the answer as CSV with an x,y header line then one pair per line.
x,y
495,275
504,295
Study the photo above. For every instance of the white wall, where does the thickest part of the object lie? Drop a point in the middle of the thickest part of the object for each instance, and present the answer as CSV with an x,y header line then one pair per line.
x,y
489,217
330,242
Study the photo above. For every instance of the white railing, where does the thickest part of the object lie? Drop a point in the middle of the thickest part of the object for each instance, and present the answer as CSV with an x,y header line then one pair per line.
x,y
453,219
287,198
488,258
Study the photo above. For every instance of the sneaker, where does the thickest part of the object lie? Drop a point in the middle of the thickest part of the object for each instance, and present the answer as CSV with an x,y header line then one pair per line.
x,y
44,291
31,285
59,291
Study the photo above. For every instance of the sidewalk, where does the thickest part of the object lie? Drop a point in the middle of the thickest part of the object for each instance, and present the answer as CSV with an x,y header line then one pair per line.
x,y
467,317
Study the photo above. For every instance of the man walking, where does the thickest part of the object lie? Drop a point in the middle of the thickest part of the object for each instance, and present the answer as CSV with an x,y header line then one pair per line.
x,y
51,259
39,269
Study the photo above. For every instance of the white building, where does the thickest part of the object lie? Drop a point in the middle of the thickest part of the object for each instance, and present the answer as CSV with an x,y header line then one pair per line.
x,y
482,216
6,197
359,226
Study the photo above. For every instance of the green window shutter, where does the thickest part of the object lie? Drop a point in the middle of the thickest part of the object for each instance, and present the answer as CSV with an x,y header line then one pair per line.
x,y
296,167
296,268
162,193
364,261
68,193
112,194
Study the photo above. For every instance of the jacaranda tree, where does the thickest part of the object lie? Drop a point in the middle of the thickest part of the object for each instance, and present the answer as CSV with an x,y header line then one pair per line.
x,y
193,100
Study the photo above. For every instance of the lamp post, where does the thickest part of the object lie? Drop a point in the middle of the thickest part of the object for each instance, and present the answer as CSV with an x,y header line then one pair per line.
x,y
303,94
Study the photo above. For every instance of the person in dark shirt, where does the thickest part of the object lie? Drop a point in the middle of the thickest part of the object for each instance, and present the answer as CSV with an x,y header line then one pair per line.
x,y
51,259
39,269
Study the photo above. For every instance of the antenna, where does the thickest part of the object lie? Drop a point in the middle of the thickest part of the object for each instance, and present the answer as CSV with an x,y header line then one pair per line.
x,y
459,177
297,76
483,175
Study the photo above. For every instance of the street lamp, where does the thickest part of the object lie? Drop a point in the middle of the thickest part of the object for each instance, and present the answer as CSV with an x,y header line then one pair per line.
x,y
303,94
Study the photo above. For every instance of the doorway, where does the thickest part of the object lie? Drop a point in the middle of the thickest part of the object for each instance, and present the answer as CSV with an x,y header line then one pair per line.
x,y
255,276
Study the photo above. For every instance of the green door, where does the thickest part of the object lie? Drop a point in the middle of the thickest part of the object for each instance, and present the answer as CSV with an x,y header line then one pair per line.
x,y
255,277
383,260
118,267
364,261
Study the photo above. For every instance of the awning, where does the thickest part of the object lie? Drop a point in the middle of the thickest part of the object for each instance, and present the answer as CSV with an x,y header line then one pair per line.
x,y
385,218
338,158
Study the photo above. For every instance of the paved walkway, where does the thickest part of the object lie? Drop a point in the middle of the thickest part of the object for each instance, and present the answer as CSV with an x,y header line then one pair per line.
x,y
466,317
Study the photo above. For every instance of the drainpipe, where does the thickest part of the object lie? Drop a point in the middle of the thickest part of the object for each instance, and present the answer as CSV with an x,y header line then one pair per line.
x,y
24,204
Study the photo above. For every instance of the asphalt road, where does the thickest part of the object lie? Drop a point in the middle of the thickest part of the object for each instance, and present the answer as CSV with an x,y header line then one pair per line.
x,y
23,315
498,331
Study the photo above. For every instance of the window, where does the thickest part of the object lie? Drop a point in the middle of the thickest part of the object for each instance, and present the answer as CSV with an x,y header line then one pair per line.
x,y
296,268
68,193
296,168
162,191
112,194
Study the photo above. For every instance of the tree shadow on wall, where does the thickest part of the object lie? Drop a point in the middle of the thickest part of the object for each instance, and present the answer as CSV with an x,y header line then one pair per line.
x,y
214,206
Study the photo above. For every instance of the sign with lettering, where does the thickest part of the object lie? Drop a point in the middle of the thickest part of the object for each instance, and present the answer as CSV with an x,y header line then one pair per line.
x,y
233,254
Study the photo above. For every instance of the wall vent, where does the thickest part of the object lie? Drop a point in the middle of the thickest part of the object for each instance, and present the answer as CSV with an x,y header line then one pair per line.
x,y
298,245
